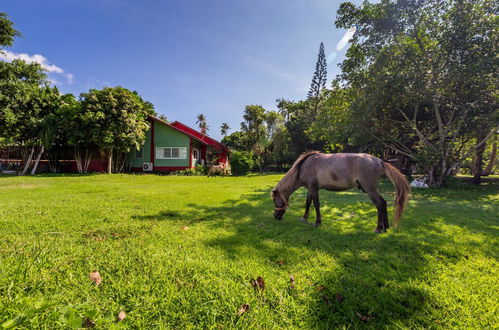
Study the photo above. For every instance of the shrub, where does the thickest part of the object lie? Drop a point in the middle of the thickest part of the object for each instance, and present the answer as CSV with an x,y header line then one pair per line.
x,y
241,162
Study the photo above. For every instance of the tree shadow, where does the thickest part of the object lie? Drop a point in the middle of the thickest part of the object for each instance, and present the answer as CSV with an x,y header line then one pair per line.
x,y
366,279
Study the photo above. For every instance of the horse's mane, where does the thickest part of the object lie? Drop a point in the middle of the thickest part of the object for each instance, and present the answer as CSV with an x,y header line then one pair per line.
x,y
294,171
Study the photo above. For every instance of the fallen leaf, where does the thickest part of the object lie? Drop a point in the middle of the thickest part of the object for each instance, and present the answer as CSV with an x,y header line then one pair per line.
x,y
281,262
292,281
339,298
121,316
243,309
88,323
326,299
95,277
259,283
364,318
320,287
184,228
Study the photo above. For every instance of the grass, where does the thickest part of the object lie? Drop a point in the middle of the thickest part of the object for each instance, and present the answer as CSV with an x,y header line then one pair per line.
x,y
180,252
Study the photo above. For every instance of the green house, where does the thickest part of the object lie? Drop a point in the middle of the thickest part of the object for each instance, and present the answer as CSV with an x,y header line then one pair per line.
x,y
172,147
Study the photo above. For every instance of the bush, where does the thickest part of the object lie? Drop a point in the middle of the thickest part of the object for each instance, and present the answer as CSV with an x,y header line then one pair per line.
x,y
241,162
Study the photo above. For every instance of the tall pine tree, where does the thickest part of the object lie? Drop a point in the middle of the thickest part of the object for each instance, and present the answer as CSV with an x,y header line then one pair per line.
x,y
318,81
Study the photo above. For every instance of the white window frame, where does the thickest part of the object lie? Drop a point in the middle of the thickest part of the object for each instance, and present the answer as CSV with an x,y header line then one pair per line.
x,y
160,152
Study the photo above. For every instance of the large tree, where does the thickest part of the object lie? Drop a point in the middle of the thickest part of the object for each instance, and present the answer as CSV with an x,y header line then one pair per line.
x,y
423,73
318,82
26,99
117,119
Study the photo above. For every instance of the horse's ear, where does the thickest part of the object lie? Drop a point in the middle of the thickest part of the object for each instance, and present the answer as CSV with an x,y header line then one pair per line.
x,y
274,193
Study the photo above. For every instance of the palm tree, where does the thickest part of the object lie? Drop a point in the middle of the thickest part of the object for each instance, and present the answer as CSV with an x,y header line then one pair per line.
x,y
201,121
224,129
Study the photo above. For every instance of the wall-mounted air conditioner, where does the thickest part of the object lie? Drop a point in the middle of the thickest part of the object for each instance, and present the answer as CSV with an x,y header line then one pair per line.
x,y
147,167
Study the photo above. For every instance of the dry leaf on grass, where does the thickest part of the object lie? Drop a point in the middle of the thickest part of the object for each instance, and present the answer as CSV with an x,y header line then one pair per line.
x,y
184,228
339,298
320,287
121,316
281,262
292,281
95,277
243,309
87,323
259,283
364,318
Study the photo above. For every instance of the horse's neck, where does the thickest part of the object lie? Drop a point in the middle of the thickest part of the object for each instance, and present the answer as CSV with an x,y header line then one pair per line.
x,y
289,184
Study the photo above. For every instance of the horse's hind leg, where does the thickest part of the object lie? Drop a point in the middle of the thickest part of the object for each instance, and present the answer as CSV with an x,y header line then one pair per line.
x,y
314,193
307,207
382,212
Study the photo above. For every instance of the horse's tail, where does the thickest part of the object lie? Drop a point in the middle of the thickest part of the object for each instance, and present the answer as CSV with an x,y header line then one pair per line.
x,y
402,190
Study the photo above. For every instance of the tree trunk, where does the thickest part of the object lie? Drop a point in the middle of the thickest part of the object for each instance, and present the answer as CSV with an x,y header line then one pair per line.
x,y
33,171
78,159
88,159
477,164
28,162
110,161
492,162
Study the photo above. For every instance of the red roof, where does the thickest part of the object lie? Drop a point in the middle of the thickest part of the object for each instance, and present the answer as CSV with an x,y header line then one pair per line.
x,y
203,137
178,129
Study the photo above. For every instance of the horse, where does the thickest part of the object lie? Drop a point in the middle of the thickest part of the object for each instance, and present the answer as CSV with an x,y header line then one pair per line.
x,y
222,169
338,172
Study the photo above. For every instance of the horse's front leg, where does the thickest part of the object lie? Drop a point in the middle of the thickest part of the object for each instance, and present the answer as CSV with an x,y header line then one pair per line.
x,y
315,198
307,207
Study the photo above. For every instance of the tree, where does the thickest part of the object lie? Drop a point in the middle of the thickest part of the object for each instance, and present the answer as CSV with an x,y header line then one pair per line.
x,y
7,31
423,73
318,81
235,141
26,98
116,118
202,124
224,129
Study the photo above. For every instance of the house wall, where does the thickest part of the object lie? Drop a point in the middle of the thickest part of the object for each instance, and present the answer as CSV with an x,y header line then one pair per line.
x,y
146,152
164,136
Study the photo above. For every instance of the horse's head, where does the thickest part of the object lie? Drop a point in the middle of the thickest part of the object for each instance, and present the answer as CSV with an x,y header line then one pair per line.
x,y
280,204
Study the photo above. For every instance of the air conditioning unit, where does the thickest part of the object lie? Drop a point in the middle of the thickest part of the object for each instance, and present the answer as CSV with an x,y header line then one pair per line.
x,y
147,167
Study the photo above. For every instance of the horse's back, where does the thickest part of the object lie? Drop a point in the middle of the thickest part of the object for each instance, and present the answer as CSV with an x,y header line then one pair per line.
x,y
340,171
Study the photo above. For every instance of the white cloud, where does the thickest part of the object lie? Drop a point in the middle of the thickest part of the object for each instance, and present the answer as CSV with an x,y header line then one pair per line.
x,y
346,38
40,59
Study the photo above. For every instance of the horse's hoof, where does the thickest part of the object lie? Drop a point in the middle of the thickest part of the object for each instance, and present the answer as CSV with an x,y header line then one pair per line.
x,y
303,220
317,224
380,230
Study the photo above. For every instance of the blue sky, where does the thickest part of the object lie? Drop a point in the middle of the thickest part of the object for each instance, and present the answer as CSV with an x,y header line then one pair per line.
x,y
185,56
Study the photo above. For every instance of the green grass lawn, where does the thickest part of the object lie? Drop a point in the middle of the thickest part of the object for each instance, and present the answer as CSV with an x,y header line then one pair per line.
x,y
180,252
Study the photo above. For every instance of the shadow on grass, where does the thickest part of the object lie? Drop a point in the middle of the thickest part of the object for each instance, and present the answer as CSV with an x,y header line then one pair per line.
x,y
374,273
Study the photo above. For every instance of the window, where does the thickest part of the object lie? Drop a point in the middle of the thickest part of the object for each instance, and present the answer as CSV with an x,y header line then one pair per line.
x,y
171,153
138,153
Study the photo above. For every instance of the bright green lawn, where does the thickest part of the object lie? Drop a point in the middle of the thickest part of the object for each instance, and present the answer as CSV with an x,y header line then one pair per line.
x,y
437,270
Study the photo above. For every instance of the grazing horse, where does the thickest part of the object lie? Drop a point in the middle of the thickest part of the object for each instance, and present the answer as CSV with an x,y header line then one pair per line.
x,y
222,169
337,172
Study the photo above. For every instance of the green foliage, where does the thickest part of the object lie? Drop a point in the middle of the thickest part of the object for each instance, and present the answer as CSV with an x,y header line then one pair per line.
x,y
116,117
422,76
7,31
241,162
26,98
179,252
234,141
